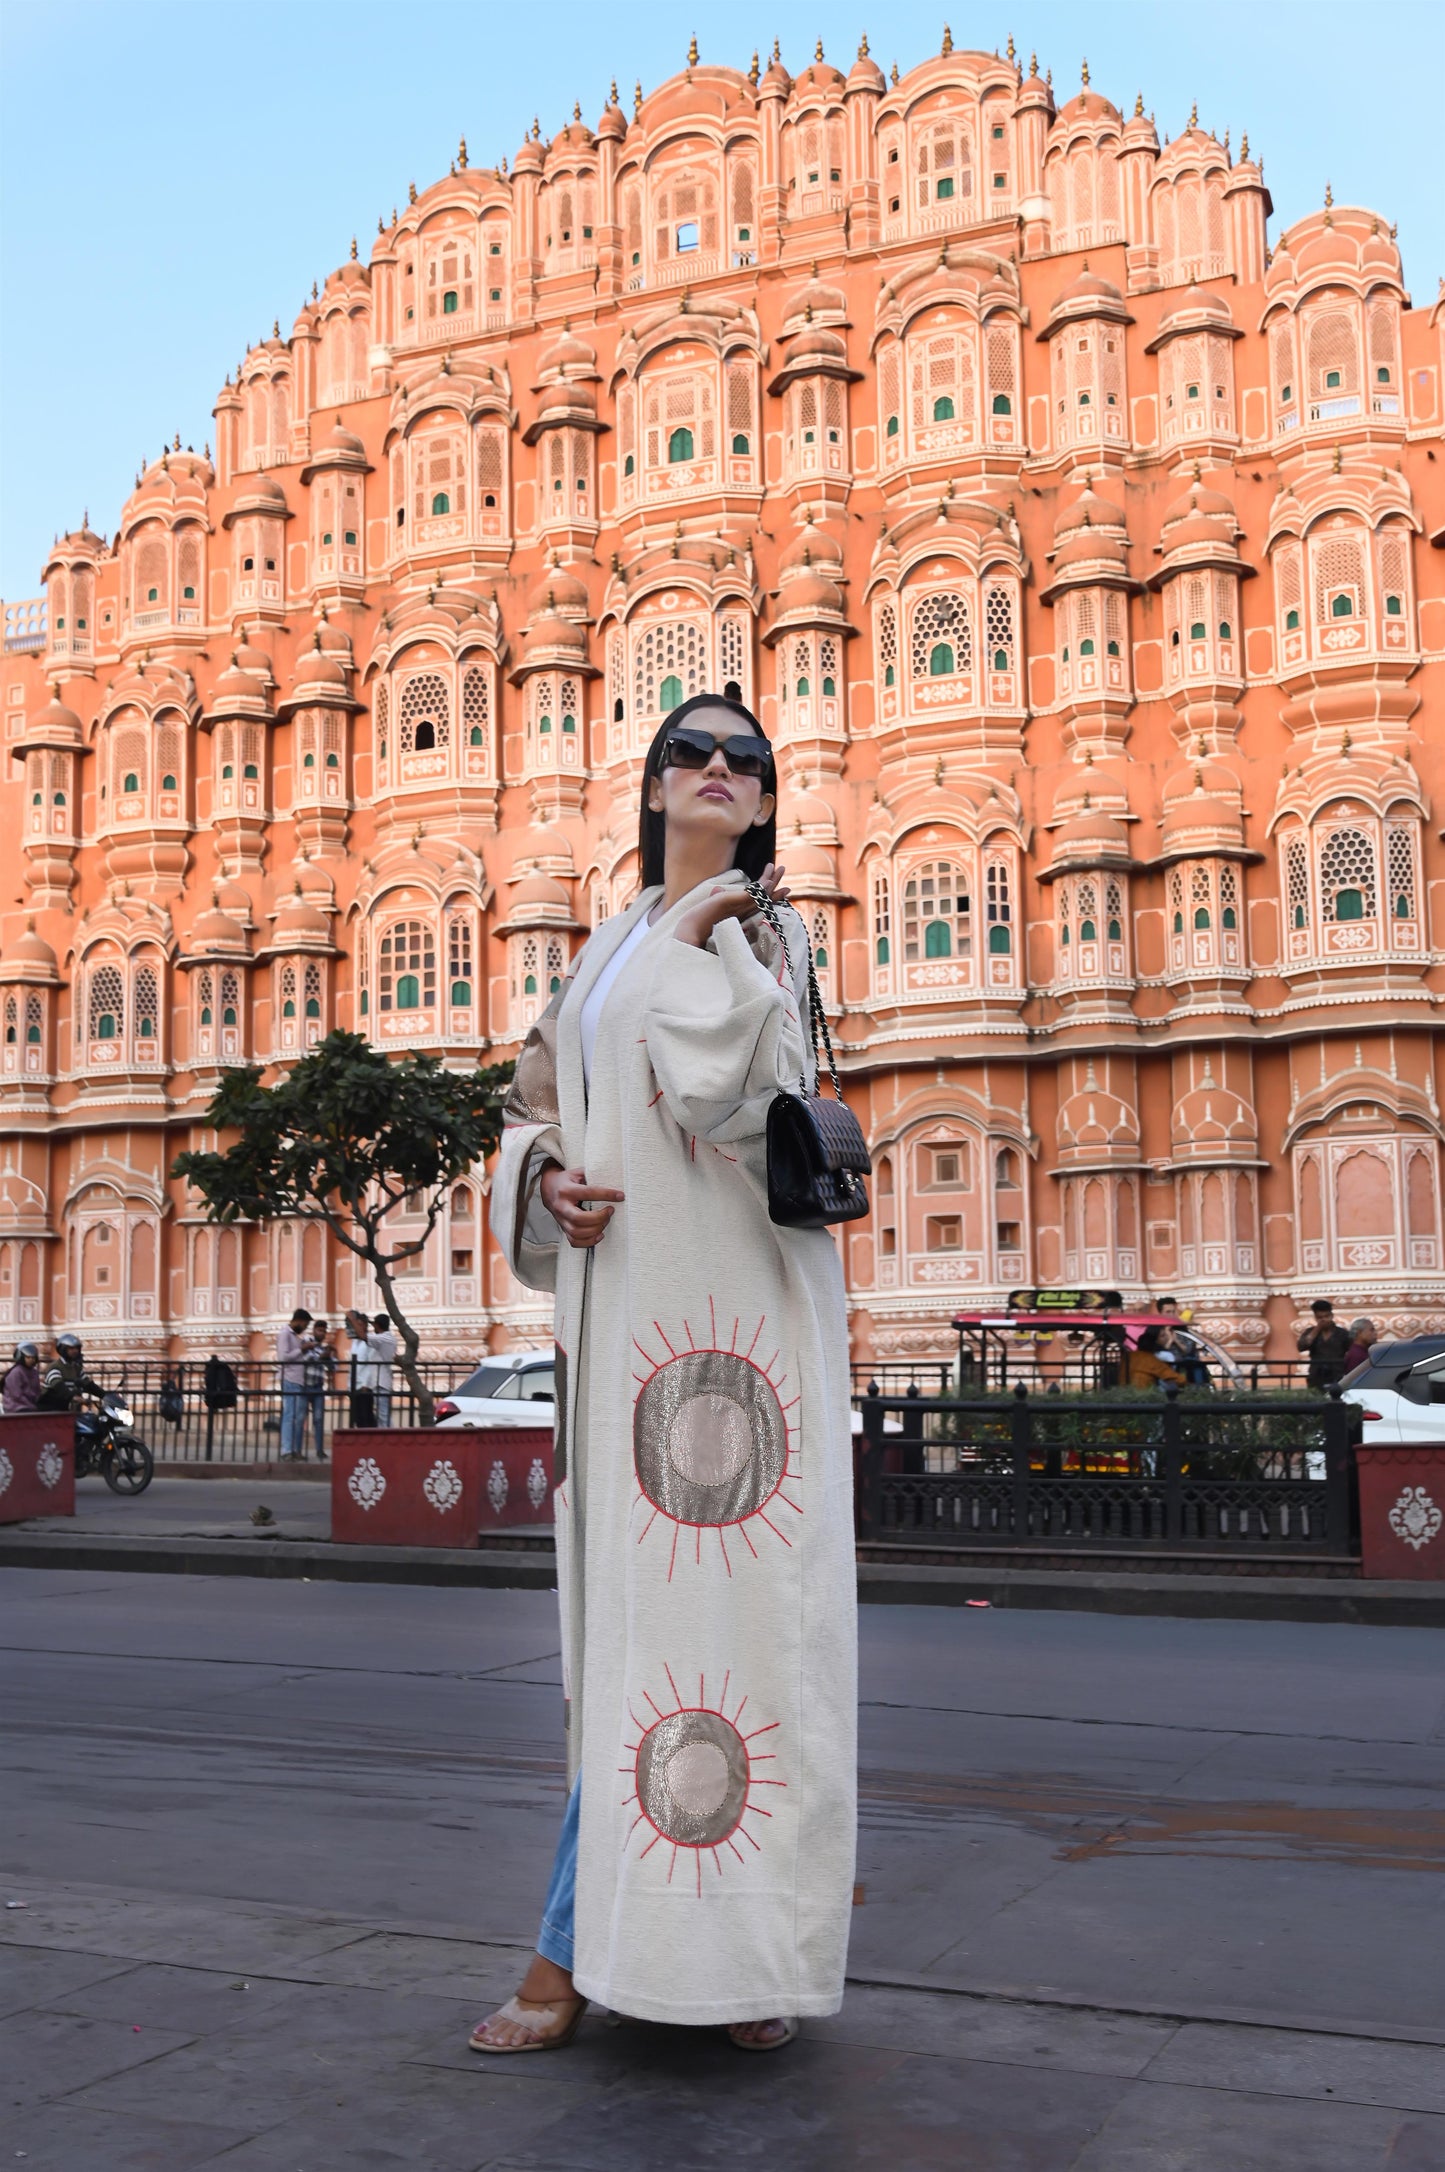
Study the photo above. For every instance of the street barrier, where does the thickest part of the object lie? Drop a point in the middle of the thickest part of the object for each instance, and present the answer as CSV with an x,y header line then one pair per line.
x,y
399,1486
37,1465
1402,1511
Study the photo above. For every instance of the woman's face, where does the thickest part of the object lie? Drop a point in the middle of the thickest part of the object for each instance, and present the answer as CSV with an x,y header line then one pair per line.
x,y
710,800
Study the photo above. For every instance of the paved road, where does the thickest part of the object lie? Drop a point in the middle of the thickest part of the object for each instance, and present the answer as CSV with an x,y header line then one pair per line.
x,y
1140,1896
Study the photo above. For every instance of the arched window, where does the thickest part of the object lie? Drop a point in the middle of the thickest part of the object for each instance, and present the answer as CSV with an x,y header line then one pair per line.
x,y
406,967
459,959
669,665
313,990
941,641
937,913
107,1003
669,694
888,644
679,445
441,503
882,917
147,1005
998,897
425,716
943,408
1002,404
1347,875
288,991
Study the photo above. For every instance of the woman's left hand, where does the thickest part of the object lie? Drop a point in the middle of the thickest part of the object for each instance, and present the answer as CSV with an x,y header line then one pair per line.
x,y
730,904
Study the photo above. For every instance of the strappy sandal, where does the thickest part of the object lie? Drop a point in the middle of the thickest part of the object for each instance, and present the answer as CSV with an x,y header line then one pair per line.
x,y
771,2043
539,2017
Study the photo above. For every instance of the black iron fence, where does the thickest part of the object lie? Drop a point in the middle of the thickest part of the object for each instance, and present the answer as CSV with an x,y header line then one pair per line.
x,y
248,1431
1075,1373
1267,1475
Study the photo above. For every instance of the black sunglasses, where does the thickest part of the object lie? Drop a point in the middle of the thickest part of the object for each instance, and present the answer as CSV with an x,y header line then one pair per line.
x,y
744,752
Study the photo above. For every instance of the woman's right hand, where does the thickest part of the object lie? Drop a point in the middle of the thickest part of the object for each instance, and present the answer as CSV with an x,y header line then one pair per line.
x,y
576,1206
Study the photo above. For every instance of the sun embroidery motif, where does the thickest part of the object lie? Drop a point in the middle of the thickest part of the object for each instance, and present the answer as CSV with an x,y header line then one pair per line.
x,y
694,1774
712,1442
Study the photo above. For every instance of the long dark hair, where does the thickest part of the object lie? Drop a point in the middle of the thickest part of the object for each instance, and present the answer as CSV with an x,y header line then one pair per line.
x,y
757,845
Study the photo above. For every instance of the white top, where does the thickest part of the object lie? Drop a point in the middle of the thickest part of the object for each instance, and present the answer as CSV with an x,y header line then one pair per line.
x,y
601,988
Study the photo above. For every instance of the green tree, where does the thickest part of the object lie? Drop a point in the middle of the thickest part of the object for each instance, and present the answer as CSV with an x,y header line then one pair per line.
x,y
349,1138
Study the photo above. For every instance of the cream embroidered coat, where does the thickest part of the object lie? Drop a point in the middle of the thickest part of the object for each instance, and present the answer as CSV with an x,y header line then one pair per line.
x,y
704,1500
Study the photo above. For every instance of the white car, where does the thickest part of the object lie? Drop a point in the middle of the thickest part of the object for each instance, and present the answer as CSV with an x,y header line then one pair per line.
x,y
518,1387
1400,1390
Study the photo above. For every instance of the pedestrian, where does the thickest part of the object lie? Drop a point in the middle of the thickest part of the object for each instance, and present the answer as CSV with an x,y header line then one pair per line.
x,y
362,1408
1147,1367
1363,1336
291,1357
1327,1344
21,1391
702,1452
318,1364
381,1343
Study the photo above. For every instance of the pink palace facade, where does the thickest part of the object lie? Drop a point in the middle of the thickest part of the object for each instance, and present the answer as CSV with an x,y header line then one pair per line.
x,y
1080,551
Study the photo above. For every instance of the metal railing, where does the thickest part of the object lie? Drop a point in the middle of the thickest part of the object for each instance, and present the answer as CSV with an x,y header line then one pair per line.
x,y
249,1431
1071,1375
1136,1474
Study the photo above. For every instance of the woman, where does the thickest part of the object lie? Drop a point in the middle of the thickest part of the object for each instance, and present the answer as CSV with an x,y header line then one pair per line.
x,y
1147,1369
21,1391
703,1458
1363,1336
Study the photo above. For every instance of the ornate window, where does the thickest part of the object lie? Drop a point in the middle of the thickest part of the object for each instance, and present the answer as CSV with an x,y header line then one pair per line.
x,y
679,426
406,968
942,168
1297,890
424,723
1332,364
669,666
998,615
942,397
882,916
460,974
937,914
887,634
476,735
146,996
998,893
1347,876
733,656
941,644
107,1003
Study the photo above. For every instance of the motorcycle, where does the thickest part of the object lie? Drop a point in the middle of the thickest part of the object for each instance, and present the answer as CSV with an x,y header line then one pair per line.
x,y
105,1442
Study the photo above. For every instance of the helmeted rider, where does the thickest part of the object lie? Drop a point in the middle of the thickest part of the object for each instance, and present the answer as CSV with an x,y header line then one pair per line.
x,y
65,1376
21,1389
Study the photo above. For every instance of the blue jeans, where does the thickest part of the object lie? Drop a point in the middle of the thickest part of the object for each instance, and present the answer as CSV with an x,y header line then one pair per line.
x,y
554,1940
316,1398
293,1420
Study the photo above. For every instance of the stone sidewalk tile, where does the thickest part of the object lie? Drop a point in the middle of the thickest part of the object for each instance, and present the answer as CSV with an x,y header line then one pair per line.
x,y
136,1927
823,2108
1005,2032
400,2121
49,1976
68,2138
1418,2146
51,2055
199,2001
457,1968
1159,2128
1279,2062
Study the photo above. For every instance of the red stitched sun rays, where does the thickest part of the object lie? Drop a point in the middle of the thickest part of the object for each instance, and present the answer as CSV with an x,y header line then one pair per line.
x,y
694,1774
712,1443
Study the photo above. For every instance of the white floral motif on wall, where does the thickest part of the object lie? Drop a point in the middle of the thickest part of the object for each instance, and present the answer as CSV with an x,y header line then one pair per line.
x,y
442,1487
50,1465
537,1482
497,1488
367,1483
1415,1518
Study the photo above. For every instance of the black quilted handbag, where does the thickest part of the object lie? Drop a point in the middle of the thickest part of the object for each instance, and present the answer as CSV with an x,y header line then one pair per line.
x,y
817,1155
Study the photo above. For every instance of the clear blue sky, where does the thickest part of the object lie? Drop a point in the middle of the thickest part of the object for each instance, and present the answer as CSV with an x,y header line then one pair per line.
x,y
175,173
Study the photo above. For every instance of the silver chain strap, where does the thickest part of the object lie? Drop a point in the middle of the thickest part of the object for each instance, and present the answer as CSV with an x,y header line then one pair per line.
x,y
817,1016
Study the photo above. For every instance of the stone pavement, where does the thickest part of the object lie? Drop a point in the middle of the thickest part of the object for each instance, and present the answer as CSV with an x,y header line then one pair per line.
x,y
1139,1897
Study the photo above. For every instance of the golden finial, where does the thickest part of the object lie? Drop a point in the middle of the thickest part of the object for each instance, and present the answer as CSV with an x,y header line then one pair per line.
x,y
411,192
863,46
1244,145
818,50
777,54
1194,114
380,224
1033,65
692,50
177,445
1010,49
1084,74
576,109
753,71
353,248
1228,160
947,46
637,98
1329,196
1138,105
893,77
462,154
276,321
612,92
